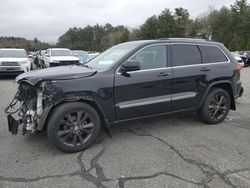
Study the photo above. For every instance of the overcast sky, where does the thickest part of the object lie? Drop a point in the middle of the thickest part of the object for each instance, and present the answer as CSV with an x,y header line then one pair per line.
x,y
48,19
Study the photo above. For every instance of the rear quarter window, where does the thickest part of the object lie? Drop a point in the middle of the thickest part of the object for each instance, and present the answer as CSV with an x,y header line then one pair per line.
x,y
212,54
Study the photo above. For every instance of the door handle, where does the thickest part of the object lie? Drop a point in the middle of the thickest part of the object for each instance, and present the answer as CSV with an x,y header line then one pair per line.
x,y
163,74
204,69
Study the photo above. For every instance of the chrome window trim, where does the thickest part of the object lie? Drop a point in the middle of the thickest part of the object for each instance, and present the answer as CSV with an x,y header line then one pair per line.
x,y
157,44
146,70
228,60
196,65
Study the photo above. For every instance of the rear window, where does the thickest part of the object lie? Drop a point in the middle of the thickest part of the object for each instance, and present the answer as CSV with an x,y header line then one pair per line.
x,y
183,54
212,54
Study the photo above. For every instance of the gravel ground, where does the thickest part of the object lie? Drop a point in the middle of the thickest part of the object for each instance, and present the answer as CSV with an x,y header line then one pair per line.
x,y
157,152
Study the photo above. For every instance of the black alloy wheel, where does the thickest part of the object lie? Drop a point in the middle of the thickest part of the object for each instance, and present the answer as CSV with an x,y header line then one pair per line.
x,y
73,126
215,107
218,107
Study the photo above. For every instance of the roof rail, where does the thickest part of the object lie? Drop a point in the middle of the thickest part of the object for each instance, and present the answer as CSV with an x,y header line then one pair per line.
x,y
188,39
163,38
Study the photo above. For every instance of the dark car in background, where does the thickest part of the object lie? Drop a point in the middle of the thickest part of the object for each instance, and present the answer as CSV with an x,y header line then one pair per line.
x,y
128,81
245,55
41,56
238,58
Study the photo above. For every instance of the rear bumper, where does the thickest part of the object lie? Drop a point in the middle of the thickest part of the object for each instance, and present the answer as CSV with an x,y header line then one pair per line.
x,y
241,91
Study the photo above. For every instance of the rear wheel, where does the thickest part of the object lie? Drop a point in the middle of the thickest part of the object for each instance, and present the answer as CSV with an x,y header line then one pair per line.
x,y
215,106
73,126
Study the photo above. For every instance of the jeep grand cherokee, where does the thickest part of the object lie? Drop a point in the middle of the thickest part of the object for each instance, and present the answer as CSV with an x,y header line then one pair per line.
x,y
131,80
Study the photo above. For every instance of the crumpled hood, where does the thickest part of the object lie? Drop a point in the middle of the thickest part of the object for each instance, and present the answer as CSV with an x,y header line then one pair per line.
x,y
55,73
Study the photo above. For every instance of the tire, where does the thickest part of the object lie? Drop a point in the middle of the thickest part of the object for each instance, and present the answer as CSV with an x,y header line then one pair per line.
x,y
215,107
72,127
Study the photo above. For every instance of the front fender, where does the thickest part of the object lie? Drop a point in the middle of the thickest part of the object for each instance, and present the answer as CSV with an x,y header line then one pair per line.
x,y
48,109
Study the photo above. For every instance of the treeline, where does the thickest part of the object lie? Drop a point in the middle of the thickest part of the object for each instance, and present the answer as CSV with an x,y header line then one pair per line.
x,y
94,38
230,26
17,42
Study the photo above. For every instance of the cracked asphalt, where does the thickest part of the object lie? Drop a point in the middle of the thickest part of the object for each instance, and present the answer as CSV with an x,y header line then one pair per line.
x,y
176,151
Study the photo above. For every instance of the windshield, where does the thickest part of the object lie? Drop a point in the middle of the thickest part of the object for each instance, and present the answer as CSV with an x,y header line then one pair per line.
x,y
13,53
61,53
111,56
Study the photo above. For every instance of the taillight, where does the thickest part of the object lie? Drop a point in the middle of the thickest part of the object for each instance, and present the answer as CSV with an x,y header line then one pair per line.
x,y
238,68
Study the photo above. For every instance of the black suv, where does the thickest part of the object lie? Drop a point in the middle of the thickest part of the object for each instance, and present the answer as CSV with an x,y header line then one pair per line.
x,y
131,80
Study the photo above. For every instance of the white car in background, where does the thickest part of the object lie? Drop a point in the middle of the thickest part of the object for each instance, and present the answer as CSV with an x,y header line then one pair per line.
x,y
60,57
14,61
238,58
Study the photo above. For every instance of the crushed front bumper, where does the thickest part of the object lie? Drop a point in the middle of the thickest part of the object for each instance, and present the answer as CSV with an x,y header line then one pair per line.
x,y
12,124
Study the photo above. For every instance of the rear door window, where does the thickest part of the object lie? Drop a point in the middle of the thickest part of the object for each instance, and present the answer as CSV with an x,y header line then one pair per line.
x,y
212,54
185,54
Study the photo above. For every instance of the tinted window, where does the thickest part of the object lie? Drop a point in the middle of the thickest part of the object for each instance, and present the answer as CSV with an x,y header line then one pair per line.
x,y
183,54
212,54
13,53
151,57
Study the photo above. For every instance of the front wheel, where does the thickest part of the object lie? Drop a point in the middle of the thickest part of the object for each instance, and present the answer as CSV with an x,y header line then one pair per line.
x,y
215,106
73,126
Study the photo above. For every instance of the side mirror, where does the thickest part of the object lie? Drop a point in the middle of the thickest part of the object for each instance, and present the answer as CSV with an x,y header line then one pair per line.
x,y
46,55
130,66
30,56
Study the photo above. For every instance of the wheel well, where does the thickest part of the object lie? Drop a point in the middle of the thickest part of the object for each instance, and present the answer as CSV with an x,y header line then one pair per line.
x,y
227,87
89,102
95,106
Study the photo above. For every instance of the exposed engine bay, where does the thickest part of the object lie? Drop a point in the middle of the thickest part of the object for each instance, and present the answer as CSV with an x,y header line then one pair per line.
x,y
28,105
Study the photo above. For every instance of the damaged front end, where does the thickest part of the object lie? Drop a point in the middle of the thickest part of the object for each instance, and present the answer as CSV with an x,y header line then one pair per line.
x,y
37,93
28,106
